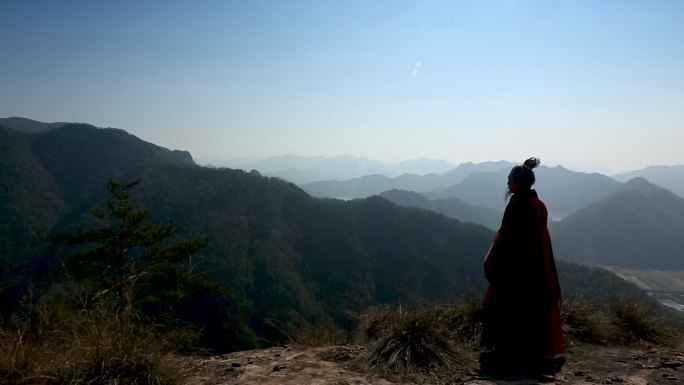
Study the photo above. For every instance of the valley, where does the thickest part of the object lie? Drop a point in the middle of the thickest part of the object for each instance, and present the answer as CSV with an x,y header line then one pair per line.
x,y
665,286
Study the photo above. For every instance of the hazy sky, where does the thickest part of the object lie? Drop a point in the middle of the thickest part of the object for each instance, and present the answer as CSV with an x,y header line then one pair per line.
x,y
592,85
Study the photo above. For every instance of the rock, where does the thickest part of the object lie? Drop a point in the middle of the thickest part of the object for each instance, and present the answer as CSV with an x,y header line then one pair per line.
x,y
671,364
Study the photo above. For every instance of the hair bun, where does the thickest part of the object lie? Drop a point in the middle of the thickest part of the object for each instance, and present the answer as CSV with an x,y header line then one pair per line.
x,y
531,163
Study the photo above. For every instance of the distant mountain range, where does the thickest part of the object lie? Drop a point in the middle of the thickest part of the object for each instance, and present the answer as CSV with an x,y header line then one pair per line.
x,y
349,177
303,169
484,185
287,257
638,225
480,185
562,190
670,177
375,184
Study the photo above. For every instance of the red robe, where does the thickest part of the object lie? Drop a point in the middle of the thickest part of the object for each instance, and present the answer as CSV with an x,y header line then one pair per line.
x,y
523,302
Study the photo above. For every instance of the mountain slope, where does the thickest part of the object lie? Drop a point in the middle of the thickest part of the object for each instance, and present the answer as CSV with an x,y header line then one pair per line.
x,y
357,252
567,191
29,200
80,155
47,174
284,254
354,188
482,189
641,226
453,208
669,177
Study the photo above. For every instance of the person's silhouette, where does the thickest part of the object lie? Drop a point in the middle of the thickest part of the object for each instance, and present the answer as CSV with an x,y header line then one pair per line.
x,y
522,321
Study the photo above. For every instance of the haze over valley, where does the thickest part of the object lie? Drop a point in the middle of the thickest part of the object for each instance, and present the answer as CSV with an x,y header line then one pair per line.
x,y
596,219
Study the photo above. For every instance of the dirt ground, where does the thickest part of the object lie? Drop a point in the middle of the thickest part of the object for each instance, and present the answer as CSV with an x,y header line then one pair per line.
x,y
340,365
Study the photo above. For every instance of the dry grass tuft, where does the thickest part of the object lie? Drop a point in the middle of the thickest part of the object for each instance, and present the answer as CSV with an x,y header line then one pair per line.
x,y
465,322
409,341
625,322
638,322
429,338
584,323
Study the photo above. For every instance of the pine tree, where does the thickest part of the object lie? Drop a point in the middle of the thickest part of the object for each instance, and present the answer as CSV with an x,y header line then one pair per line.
x,y
131,262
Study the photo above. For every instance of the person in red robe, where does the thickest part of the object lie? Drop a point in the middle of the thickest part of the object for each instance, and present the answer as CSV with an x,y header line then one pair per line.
x,y
522,305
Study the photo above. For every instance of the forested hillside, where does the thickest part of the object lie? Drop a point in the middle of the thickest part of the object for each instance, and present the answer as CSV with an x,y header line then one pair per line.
x,y
641,226
46,175
452,207
289,260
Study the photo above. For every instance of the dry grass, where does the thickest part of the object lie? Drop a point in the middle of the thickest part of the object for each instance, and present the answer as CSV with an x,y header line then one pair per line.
x,y
625,322
638,322
324,334
430,337
584,323
465,322
57,344
302,332
409,341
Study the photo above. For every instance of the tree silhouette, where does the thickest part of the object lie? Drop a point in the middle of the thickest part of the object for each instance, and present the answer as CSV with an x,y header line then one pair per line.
x,y
131,262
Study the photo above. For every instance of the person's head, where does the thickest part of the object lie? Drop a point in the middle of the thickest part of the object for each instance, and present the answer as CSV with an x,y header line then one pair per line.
x,y
521,177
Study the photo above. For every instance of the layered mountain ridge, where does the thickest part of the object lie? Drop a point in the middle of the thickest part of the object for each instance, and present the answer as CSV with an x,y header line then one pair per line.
x,y
285,255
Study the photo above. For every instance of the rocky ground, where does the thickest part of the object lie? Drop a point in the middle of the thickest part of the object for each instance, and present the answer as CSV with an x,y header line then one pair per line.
x,y
343,365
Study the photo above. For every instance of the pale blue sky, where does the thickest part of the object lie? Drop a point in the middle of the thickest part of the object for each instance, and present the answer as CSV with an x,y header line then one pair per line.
x,y
592,85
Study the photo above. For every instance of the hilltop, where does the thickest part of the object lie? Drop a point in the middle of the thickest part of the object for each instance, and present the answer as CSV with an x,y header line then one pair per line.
x,y
300,365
